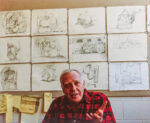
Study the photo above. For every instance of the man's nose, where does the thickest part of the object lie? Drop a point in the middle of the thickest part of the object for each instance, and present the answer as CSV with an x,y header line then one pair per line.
x,y
73,87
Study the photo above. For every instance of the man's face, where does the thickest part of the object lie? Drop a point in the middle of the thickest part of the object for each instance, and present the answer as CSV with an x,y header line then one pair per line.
x,y
73,86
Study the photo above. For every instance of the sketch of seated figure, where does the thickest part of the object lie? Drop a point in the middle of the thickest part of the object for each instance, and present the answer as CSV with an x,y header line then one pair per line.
x,y
125,20
93,46
12,52
84,20
46,23
15,22
91,73
48,48
130,74
49,74
9,78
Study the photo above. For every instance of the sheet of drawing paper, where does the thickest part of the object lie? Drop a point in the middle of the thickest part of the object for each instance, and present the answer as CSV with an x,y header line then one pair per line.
x,y
87,48
87,20
16,101
14,50
46,76
15,23
15,77
148,18
127,47
28,105
95,74
3,104
32,118
123,19
49,21
128,76
49,49
47,100
9,112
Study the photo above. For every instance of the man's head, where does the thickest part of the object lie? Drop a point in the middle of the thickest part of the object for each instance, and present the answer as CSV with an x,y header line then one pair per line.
x,y
72,85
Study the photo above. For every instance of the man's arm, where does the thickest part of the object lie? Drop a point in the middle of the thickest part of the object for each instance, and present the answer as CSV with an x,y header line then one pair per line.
x,y
50,114
104,113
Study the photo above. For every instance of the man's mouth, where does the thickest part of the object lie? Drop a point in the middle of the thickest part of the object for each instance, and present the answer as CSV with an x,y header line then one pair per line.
x,y
74,95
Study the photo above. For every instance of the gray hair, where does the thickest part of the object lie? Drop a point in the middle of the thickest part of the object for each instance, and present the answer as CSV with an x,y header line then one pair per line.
x,y
69,71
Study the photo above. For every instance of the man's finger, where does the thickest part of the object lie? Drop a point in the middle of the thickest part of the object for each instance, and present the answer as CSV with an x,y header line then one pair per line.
x,y
99,118
89,117
103,106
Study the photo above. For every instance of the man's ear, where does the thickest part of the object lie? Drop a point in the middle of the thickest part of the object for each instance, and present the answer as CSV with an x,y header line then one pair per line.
x,y
84,83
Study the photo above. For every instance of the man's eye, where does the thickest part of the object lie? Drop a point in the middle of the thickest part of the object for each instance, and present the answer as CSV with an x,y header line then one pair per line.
x,y
67,86
77,83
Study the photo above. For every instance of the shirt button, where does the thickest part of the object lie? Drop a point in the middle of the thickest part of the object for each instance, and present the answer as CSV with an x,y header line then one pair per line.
x,y
74,121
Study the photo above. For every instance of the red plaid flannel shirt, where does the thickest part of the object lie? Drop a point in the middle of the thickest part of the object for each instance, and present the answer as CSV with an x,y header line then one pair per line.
x,y
61,110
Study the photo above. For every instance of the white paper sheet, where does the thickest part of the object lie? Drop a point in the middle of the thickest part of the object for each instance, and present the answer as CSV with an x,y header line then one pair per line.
x,y
46,76
49,21
87,20
122,19
15,23
87,48
49,49
128,76
127,47
95,74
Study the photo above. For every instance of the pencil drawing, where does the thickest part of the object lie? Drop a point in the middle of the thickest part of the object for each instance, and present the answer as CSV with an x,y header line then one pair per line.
x,y
84,20
126,19
9,78
91,72
48,48
15,23
48,74
12,52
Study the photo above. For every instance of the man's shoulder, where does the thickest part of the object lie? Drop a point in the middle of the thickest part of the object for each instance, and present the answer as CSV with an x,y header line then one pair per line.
x,y
96,95
59,99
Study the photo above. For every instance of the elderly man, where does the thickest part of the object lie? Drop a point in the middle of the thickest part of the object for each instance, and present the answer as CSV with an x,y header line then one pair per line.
x,y
78,105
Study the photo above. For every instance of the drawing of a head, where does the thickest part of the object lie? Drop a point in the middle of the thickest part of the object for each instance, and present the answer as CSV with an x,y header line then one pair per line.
x,y
9,78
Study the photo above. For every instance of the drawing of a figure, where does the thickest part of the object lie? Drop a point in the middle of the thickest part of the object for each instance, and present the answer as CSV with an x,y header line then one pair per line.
x,y
91,73
12,52
15,22
84,20
48,48
125,19
129,74
46,23
90,45
49,74
9,78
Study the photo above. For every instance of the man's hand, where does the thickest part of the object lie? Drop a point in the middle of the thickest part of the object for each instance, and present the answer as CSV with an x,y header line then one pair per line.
x,y
98,115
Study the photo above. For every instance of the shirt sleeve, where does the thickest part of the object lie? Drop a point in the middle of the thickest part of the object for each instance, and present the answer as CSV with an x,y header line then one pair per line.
x,y
108,116
50,114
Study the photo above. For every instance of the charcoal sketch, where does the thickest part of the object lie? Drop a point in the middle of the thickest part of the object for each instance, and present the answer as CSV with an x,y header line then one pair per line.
x,y
127,47
128,76
84,20
95,74
12,52
91,73
50,21
48,73
88,47
87,20
15,50
15,22
123,19
49,48
9,78
46,76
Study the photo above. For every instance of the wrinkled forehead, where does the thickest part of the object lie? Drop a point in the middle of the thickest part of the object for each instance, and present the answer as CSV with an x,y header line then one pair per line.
x,y
70,76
